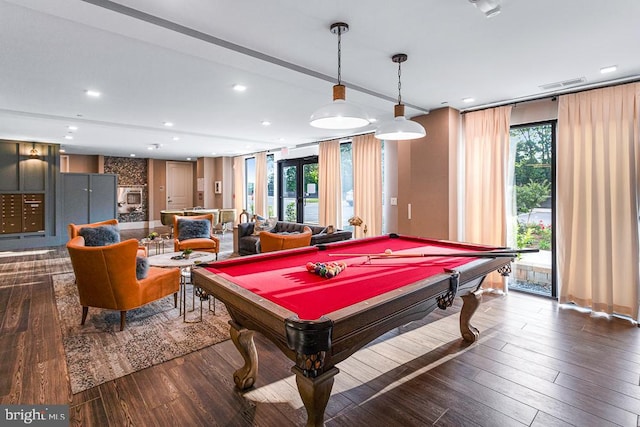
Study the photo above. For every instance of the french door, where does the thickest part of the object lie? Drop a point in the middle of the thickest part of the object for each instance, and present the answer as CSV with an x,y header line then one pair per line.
x,y
298,190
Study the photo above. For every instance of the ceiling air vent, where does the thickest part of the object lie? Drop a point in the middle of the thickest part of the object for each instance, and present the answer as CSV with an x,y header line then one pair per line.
x,y
566,83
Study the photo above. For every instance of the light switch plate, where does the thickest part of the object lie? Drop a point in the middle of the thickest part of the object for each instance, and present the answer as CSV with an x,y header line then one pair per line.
x,y
394,201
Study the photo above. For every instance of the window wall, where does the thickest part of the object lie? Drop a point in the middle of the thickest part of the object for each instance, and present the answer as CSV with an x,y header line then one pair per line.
x,y
250,184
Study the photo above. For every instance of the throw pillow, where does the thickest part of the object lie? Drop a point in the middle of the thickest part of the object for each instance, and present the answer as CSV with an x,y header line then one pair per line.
x,y
142,267
264,225
102,235
193,229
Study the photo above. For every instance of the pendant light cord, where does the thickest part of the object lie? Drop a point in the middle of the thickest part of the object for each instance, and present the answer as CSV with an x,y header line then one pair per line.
x,y
339,56
399,83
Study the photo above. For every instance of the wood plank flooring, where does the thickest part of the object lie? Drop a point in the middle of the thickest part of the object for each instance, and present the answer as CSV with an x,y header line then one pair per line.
x,y
536,364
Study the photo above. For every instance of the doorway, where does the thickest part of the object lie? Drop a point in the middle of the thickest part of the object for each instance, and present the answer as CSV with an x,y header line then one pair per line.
x,y
534,196
179,185
298,190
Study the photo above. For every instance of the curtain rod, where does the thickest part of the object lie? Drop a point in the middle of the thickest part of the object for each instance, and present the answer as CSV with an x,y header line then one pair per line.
x,y
516,101
311,144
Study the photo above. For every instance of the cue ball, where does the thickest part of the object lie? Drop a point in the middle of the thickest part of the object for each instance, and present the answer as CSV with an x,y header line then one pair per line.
x,y
387,251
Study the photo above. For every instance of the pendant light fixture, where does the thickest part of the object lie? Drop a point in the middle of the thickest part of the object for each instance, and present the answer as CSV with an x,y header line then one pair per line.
x,y
339,114
399,128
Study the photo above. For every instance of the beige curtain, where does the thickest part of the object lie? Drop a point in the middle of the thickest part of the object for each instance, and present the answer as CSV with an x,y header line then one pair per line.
x,y
260,191
597,199
367,184
329,184
238,186
486,158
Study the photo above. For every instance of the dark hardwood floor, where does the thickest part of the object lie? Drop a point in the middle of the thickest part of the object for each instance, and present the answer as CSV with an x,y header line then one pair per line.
x,y
536,364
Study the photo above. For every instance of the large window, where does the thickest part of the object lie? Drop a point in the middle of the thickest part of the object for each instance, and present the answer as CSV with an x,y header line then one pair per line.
x,y
346,176
272,206
250,182
533,227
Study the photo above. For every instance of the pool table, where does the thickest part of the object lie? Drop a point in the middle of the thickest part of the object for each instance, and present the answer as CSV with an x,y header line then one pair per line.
x,y
317,322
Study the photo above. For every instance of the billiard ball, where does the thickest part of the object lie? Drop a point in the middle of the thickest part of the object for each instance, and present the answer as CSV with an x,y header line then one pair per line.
x,y
388,251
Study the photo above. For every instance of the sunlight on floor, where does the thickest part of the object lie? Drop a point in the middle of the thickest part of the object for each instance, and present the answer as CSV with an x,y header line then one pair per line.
x,y
7,254
285,390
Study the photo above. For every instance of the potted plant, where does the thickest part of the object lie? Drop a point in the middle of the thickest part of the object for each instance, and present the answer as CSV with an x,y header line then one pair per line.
x,y
187,253
152,235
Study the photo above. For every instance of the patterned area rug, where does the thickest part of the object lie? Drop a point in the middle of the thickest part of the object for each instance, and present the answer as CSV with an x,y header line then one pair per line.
x,y
99,352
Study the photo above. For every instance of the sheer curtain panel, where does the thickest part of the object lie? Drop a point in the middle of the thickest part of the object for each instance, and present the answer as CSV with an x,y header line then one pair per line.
x,y
330,184
260,192
597,199
486,157
367,184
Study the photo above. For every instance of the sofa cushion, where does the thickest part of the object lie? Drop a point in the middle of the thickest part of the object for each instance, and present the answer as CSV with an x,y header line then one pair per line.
x,y
194,229
142,267
102,235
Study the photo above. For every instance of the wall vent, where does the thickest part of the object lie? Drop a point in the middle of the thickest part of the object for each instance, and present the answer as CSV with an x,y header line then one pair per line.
x,y
566,83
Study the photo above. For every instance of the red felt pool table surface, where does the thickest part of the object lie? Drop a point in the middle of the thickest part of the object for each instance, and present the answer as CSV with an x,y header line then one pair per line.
x,y
283,278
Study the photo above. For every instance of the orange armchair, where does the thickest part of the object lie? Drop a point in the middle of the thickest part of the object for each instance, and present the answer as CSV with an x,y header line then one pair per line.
x,y
195,232
270,242
74,230
106,278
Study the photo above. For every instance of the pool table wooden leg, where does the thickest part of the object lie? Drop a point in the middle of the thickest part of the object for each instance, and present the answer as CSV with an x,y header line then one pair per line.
x,y
470,303
244,377
315,393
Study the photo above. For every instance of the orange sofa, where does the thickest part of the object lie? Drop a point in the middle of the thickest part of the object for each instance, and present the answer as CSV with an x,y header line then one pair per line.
x,y
106,278
270,242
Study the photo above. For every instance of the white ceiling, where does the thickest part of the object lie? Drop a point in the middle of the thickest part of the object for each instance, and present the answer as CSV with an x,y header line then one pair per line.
x,y
168,60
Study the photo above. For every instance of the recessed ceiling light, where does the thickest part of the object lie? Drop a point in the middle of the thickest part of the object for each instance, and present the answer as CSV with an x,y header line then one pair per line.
x,y
468,100
168,124
281,139
72,127
609,69
189,158
239,88
213,154
68,137
132,155
93,93
62,150
265,123
175,138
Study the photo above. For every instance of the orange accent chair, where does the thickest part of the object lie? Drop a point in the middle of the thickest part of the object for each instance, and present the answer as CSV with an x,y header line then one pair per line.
x,y
106,278
74,230
182,241
270,242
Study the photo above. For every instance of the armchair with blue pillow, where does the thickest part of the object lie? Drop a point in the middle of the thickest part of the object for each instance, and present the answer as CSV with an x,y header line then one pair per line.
x,y
195,232
112,277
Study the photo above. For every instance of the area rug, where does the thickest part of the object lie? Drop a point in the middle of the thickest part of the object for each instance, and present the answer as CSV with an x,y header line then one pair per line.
x,y
99,352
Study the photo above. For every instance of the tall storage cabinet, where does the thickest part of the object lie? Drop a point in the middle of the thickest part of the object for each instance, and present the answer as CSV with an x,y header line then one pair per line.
x,y
89,197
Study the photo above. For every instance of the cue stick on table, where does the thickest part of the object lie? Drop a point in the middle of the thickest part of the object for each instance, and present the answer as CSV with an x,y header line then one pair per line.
x,y
479,254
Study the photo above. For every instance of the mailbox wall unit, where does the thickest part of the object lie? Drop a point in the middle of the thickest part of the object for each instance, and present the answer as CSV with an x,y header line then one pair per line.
x,y
29,184
22,213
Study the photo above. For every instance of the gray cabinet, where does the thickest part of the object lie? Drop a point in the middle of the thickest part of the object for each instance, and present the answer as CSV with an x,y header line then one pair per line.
x,y
89,197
